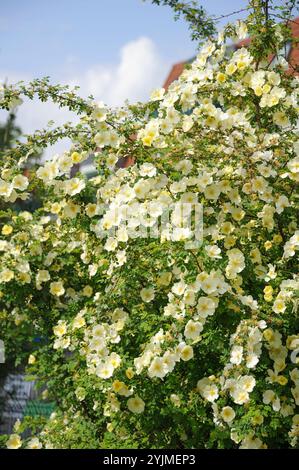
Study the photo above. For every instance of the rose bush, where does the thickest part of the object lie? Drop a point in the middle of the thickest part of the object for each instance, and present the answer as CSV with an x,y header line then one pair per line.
x,y
155,330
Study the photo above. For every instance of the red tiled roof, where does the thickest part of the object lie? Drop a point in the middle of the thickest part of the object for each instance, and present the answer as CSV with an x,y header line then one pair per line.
x,y
244,43
294,54
174,74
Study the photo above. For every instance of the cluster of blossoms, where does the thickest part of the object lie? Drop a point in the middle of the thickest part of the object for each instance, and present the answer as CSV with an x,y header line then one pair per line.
x,y
12,187
166,291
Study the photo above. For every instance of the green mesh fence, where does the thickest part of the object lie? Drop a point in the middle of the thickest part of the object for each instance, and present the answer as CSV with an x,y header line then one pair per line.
x,y
38,408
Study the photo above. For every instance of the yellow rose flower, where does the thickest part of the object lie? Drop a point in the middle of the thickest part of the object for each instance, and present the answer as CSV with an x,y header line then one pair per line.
x,y
130,373
31,359
282,380
7,229
14,442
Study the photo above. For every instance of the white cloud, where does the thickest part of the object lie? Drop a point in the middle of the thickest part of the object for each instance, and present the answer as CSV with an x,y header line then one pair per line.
x,y
139,70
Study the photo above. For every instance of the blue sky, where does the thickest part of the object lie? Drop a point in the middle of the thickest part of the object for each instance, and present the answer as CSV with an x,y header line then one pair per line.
x,y
41,37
